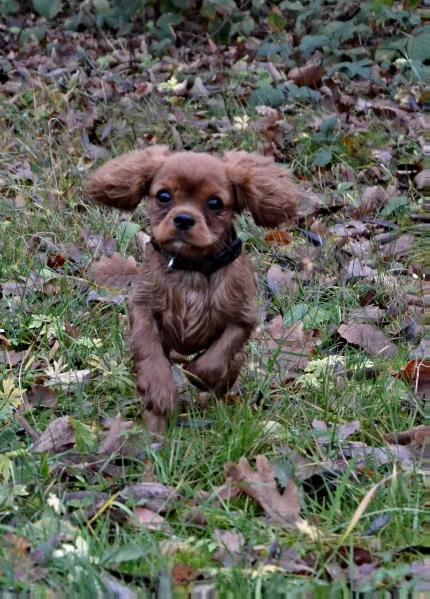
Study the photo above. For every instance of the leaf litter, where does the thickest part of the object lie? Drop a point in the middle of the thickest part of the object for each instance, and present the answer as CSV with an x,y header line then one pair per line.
x,y
345,251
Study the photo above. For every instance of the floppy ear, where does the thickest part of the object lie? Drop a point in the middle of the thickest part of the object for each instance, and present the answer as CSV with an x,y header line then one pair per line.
x,y
264,188
122,182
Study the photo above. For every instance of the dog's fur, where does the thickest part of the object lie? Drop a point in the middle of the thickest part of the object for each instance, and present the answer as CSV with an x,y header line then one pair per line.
x,y
187,311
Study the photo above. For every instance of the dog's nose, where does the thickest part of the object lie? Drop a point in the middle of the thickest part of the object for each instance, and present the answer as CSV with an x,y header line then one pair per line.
x,y
184,221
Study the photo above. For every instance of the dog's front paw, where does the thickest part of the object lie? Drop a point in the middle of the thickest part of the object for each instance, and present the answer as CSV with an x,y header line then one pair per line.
x,y
158,395
208,375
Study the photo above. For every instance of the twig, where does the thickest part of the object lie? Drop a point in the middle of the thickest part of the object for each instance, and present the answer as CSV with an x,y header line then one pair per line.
x,y
27,426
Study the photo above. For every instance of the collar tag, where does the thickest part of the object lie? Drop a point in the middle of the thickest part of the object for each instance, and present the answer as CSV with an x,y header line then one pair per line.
x,y
171,264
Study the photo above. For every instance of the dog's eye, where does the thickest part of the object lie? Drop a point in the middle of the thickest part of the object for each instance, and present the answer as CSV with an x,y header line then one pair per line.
x,y
164,197
215,204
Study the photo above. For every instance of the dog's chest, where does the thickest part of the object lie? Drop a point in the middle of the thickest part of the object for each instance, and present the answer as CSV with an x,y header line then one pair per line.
x,y
192,319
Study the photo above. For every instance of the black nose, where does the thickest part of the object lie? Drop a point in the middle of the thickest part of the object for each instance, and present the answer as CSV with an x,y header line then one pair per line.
x,y
184,221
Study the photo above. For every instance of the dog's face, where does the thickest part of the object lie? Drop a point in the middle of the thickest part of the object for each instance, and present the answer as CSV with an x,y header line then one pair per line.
x,y
193,198
191,204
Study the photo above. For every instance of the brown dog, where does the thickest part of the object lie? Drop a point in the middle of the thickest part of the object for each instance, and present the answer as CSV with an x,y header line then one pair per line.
x,y
197,294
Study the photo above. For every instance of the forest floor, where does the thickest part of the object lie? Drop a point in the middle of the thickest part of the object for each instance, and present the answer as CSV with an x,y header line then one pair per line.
x,y
88,503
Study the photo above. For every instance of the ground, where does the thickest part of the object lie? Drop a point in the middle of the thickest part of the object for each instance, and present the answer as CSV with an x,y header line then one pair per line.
x,y
88,502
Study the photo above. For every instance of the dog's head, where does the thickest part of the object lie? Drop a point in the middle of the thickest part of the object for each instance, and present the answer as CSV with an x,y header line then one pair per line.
x,y
192,197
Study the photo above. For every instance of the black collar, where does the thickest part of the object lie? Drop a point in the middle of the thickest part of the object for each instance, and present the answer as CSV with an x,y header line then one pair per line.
x,y
208,265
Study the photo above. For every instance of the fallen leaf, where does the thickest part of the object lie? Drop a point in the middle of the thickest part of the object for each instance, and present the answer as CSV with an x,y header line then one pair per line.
x,y
339,433
98,244
20,546
310,204
291,562
281,281
368,313
58,436
421,569
118,440
155,496
403,437
260,484
116,589
11,357
310,74
368,338
291,345
150,519
359,248
170,547
353,228
304,467
183,574
70,377
373,199
104,297
356,269
40,396
230,547
198,90
400,247
115,271
363,454
82,464
277,237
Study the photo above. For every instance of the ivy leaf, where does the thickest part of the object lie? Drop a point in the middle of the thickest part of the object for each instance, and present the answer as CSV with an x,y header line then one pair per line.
x,y
268,50
48,8
310,43
323,157
393,205
267,96
302,93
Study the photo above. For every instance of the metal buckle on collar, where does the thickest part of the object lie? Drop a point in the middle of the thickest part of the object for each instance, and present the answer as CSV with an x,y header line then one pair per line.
x,y
171,264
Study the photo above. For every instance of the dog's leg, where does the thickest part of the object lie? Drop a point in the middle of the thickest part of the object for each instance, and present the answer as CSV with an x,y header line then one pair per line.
x,y
153,370
218,367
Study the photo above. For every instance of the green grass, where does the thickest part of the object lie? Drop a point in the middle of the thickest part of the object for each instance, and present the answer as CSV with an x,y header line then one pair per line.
x,y
61,330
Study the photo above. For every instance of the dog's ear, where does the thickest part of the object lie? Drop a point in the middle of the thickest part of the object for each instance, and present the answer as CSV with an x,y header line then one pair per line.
x,y
122,182
264,188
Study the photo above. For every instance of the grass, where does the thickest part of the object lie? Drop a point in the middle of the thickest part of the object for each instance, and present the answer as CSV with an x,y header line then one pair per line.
x,y
61,330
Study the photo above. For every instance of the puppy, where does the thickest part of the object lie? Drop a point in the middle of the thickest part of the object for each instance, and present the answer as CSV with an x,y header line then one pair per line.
x,y
197,292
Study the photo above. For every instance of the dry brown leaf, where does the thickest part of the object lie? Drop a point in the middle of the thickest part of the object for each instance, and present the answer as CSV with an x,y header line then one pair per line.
x,y
230,547
98,244
356,269
155,496
40,396
281,280
278,237
57,437
292,345
260,484
353,228
118,441
400,247
368,338
183,574
309,74
150,519
115,271
368,313
417,371
12,357
374,198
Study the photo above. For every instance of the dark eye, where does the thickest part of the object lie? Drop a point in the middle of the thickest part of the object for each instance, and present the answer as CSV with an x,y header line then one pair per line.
x,y
215,204
164,196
